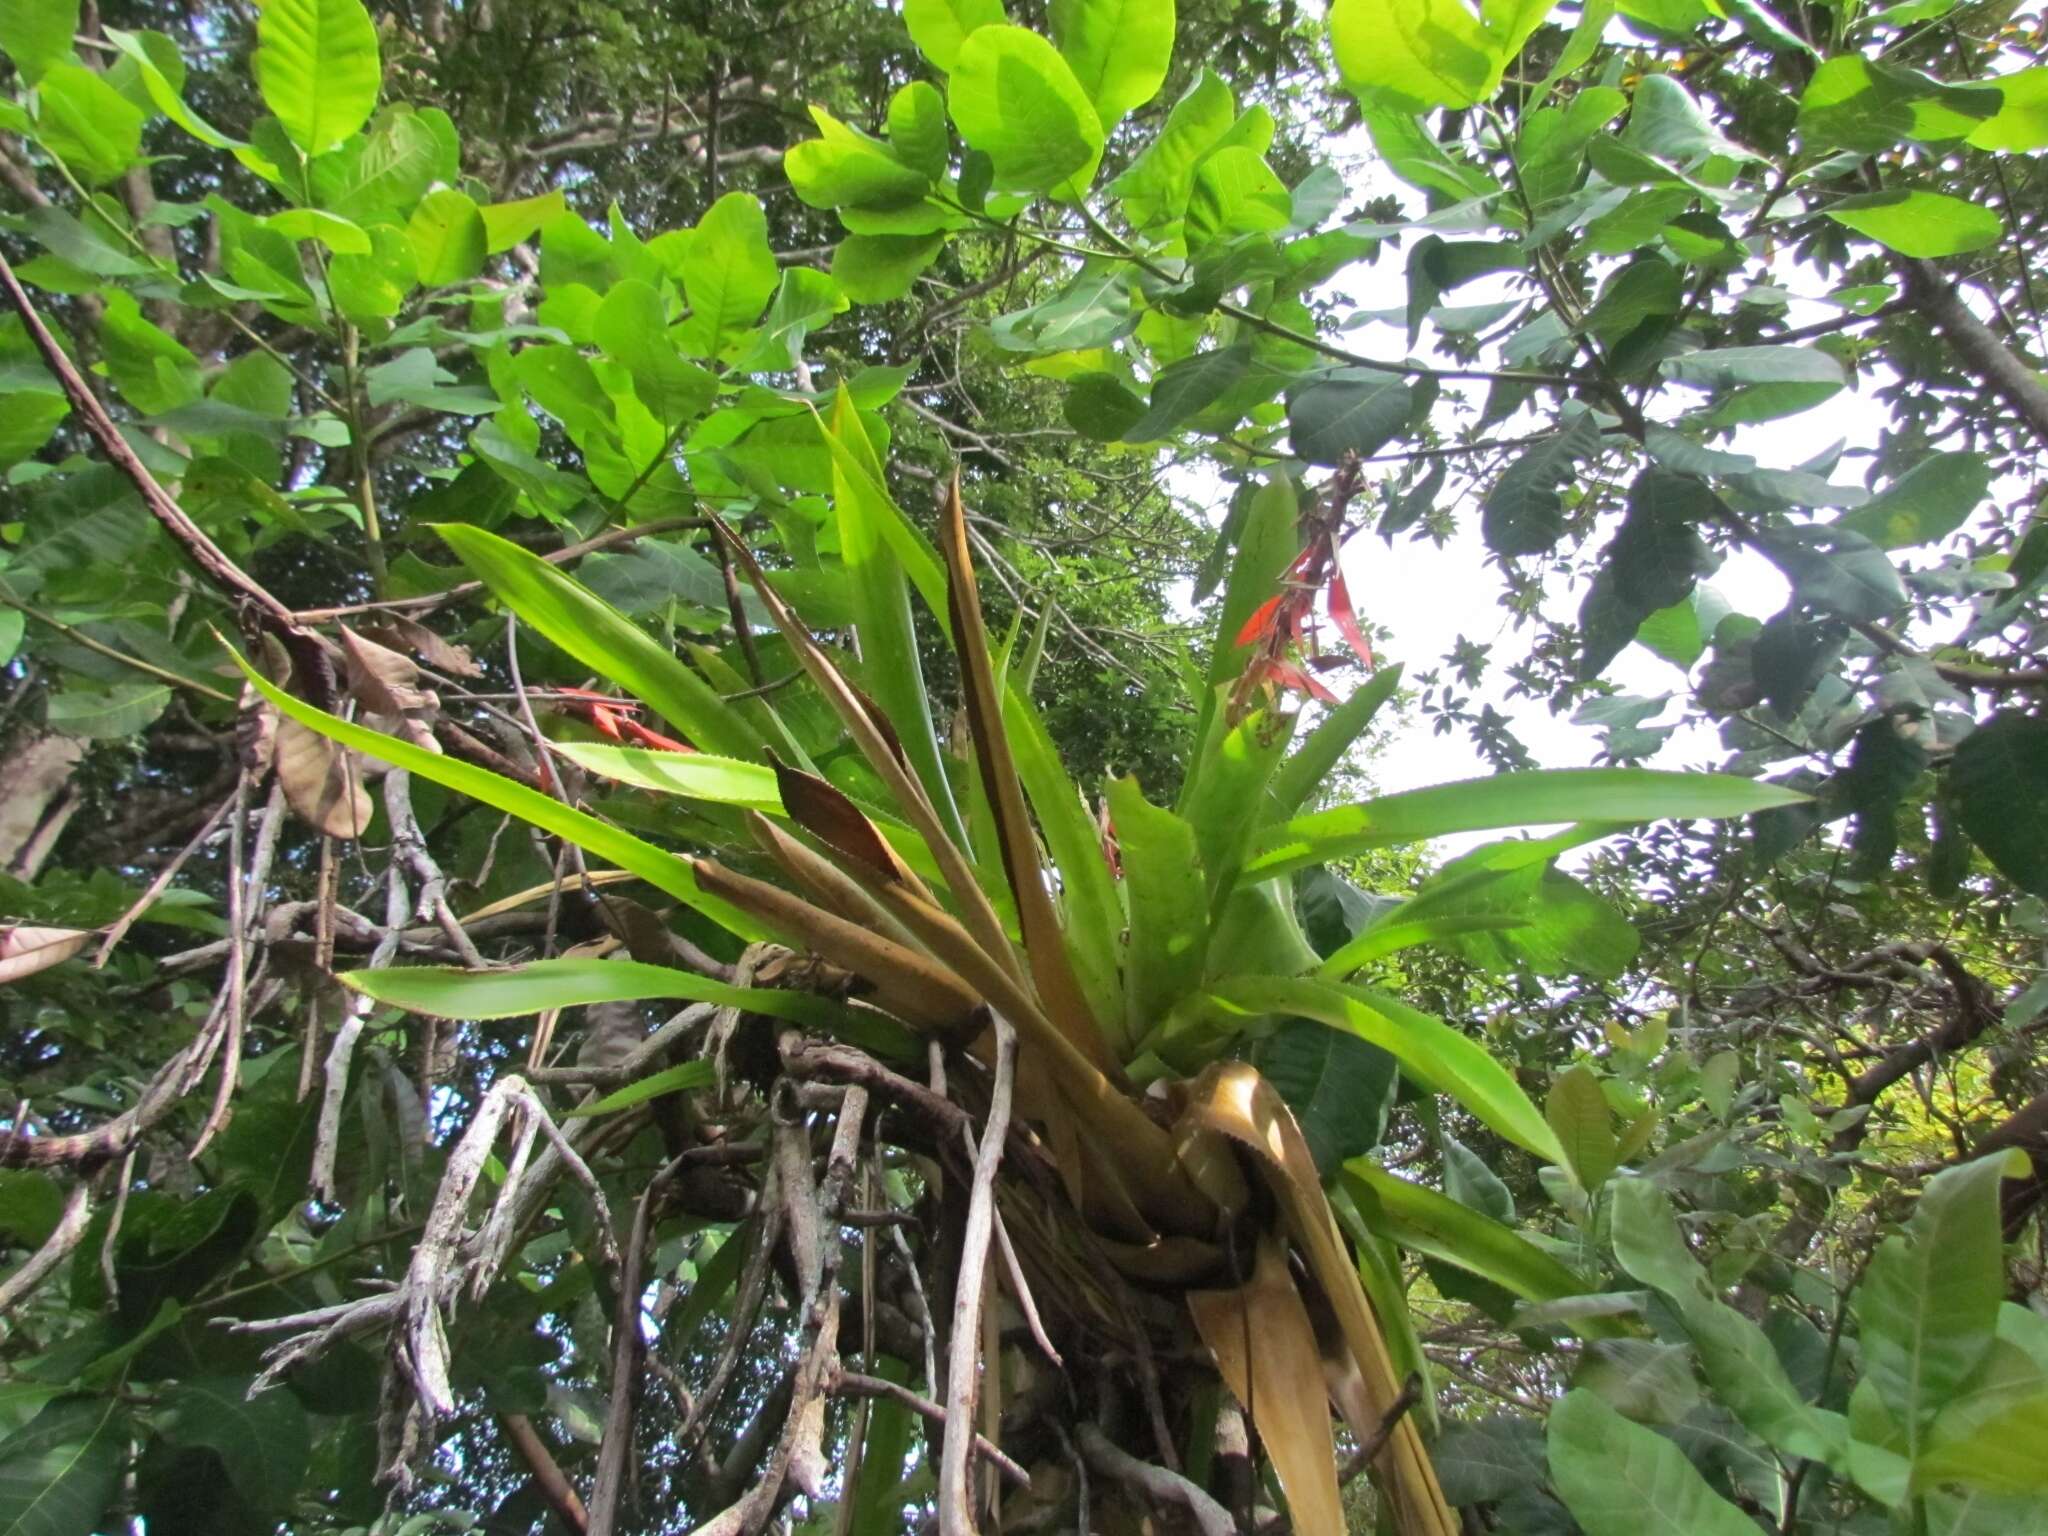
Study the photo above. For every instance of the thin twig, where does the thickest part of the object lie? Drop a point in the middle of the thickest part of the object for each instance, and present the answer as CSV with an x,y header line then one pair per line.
x,y
56,1248
157,886
956,1517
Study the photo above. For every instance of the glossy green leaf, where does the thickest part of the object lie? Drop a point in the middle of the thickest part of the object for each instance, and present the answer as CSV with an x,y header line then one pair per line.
x,y
511,991
1425,1222
1620,1479
1015,99
1651,564
1869,105
1428,54
879,269
1118,49
316,64
845,166
1430,1051
939,27
1533,798
1351,410
693,775
871,529
602,638
2020,124
264,1443
1725,367
342,236
1339,1087
1156,186
1524,512
1186,388
1917,223
917,128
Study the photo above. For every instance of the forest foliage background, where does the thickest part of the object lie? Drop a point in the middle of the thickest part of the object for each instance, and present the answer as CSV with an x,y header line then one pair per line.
x,y
476,495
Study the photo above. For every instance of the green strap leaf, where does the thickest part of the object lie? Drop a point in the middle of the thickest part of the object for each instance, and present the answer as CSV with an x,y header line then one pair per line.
x,y
1538,797
684,1075
659,868
602,638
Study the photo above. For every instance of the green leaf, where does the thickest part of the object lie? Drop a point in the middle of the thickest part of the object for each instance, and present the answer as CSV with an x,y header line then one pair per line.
x,y
1015,99
1577,1111
1524,513
676,1079
1430,1051
117,709
879,269
1928,1306
939,27
342,236
1656,556
1090,905
263,1442
1351,410
316,65
1309,766
1725,367
729,274
602,638
1118,49
1235,193
26,421
1156,186
1741,1364
917,128
1869,106
871,544
1186,388
1840,571
59,1471
1339,1087
693,775
1928,502
2021,122
659,868
1423,1221
1429,53
1644,1380
844,166
1168,899
1620,1479
631,327
1999,767
37,34
1534,798
507,224
514,990
86,123
1923,224
448,237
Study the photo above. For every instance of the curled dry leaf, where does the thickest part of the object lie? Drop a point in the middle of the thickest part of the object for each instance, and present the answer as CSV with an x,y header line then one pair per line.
x,y
322,780
25,950
381,679
398,633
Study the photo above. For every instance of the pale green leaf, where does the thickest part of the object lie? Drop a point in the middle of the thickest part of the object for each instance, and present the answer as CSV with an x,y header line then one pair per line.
x,y
316,65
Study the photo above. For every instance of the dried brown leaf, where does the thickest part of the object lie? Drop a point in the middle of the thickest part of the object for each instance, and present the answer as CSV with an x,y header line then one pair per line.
x,y
323,781
24,950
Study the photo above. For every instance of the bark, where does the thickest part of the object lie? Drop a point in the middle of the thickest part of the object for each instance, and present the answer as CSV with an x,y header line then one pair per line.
x,y
2003,371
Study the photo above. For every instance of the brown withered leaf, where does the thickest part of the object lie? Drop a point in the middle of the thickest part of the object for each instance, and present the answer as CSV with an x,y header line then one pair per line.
x,y
399,633
323,781
25,950
383,681
1265,1348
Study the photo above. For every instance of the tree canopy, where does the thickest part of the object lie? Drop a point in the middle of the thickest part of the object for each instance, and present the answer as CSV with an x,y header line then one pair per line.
x,y
696,817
